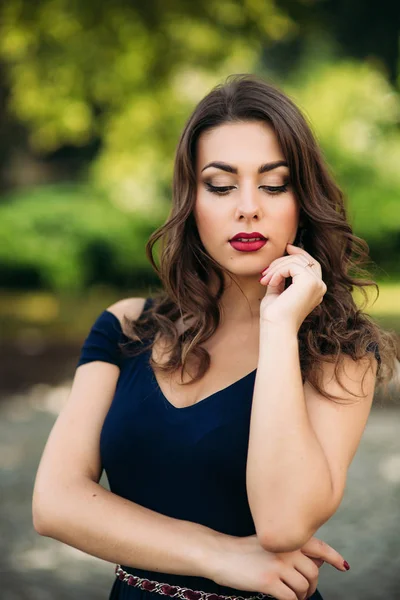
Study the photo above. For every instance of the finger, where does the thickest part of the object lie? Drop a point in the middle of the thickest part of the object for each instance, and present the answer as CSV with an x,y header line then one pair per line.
x,y
312,589
296,581
278,287
292,249
307,567
316,548
275,290
295,250
280,590
303,260
317,561
278,264
290,269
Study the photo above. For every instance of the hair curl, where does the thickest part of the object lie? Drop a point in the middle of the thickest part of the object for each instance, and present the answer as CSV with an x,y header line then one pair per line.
x,y
336,326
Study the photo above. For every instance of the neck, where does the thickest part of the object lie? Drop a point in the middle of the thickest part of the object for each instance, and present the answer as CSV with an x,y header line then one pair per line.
x,y
241,306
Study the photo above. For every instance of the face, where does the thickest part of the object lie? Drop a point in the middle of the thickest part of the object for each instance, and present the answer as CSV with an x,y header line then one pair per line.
x,y
234,196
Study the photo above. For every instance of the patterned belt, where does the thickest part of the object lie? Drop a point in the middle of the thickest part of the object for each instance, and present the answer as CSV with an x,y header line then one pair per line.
x,y
177,591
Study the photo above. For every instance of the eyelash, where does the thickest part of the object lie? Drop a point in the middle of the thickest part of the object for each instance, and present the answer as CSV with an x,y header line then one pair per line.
x,y
224,191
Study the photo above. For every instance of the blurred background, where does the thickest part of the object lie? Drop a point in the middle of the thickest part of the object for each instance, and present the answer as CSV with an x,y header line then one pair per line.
x,y
93,97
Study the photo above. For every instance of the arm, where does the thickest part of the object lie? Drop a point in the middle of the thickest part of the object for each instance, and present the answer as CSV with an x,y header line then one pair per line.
x,y
288,479
70,505
301,443
83,514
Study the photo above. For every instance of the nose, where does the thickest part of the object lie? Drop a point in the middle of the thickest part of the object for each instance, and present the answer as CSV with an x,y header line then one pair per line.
x,y
249,204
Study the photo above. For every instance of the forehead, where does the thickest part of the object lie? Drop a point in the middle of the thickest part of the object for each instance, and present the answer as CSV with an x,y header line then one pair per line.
x,y
239,143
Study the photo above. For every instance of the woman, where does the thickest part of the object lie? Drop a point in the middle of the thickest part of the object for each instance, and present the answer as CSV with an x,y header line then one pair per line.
x,y
226,410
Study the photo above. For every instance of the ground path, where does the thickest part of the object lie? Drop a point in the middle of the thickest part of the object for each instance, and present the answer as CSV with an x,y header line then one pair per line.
x,y
366,528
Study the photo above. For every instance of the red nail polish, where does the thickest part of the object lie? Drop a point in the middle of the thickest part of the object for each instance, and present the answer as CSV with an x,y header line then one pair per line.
x,y
261,272
346,565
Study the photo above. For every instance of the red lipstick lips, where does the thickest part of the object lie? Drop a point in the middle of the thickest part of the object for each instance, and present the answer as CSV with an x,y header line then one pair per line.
x,y
247,236
240,241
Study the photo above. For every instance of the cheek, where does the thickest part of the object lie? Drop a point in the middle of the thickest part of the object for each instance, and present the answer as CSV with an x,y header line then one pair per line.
x,y
288,214
210,212
206,220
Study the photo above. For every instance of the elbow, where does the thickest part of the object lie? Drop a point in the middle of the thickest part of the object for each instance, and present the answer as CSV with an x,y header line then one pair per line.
x,y
283,540
277,545
288,536
41,517
40,526
39,523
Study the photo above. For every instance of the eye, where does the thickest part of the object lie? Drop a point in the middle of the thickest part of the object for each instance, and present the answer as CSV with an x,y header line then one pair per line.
x,y
276,189
220,190
224,190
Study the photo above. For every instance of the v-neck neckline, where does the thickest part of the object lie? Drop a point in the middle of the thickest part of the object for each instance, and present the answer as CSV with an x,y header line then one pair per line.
x,y
203,400
148,352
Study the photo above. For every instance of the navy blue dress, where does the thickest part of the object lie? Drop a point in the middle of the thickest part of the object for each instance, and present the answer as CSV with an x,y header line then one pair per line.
x,y
188,463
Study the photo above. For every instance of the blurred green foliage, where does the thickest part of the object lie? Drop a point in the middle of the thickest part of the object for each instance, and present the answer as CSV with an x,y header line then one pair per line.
x,y
128,74
355,114
66,238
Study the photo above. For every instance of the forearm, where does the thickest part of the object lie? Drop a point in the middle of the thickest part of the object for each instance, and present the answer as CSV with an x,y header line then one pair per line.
x,y
98,522
288,478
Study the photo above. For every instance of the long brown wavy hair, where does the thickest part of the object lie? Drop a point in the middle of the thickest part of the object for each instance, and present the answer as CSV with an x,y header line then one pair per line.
x,y
336,326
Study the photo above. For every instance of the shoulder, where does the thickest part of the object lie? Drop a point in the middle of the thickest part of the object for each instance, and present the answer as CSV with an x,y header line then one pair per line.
x,y
127,307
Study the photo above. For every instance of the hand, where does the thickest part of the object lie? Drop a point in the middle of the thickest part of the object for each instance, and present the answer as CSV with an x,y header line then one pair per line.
x,y
291,306
243,564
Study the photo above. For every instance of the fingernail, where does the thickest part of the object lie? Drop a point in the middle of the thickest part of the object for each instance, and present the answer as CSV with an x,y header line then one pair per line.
x,y
346,565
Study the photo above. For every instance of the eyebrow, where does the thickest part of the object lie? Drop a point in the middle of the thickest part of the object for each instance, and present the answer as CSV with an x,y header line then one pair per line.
x,y
230,169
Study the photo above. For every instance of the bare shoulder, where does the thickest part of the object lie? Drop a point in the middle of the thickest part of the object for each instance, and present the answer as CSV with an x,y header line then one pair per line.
x,y
128,307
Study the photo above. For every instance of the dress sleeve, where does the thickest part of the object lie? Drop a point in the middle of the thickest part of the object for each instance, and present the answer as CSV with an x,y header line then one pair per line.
x,y
102,341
